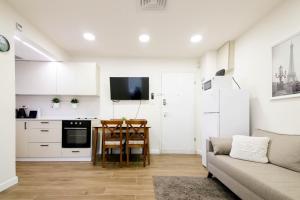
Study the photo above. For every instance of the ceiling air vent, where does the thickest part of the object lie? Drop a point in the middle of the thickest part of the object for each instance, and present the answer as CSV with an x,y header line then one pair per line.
x,y
153,4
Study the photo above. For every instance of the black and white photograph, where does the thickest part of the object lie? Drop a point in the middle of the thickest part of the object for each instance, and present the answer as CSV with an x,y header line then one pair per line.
x,y
286,68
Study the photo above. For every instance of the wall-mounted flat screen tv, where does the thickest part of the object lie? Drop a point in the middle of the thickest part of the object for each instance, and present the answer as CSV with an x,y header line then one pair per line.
x,y
129,88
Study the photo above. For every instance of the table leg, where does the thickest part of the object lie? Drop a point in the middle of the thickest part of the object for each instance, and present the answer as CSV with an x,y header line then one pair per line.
x,y
148,147
95,145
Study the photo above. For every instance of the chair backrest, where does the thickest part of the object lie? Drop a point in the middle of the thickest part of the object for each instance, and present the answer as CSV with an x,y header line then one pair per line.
x,y
135,127
112,129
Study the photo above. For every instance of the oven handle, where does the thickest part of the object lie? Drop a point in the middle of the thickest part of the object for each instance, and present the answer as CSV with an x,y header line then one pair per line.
x,y
67,128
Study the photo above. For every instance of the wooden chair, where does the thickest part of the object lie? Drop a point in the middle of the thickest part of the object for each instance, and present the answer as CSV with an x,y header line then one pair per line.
x,y
137,137
112,138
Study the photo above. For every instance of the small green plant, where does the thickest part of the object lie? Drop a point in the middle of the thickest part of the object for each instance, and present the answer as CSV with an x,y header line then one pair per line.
x,y
124,118
74,100
55,100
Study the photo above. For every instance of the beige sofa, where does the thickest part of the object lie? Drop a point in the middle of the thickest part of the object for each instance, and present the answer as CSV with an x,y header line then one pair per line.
x,y
272,181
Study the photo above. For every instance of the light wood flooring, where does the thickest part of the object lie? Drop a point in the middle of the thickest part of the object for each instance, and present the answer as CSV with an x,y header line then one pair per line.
x,y
82,180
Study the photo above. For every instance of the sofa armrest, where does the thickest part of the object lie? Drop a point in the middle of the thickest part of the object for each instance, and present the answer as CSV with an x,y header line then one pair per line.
x,y
209,147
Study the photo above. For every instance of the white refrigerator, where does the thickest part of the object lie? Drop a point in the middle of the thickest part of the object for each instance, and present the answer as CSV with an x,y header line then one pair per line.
x,y
225,113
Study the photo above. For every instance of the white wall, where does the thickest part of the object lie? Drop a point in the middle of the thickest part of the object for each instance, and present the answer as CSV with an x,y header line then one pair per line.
x,y
207,69
253,69
7,103
8,19
150,110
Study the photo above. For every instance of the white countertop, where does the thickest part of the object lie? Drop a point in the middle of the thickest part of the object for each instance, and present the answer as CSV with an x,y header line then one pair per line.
x,y
53,119
95,122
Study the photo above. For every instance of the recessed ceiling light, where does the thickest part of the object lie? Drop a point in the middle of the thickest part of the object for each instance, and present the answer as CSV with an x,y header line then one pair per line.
x,y
89,36
196,38
144,38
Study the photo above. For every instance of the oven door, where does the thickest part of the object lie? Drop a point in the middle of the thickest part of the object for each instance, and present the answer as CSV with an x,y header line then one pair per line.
x,y
79,137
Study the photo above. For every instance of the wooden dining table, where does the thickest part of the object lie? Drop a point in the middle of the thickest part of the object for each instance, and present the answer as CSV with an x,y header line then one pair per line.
x,y
95,139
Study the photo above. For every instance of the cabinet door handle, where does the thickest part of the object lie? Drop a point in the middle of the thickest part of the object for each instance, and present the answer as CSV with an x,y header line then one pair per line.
x,y
44,130
25,125
44,145
75,151
44,122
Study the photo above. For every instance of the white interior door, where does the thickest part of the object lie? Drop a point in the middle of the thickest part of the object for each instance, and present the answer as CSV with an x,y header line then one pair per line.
x,y
178,113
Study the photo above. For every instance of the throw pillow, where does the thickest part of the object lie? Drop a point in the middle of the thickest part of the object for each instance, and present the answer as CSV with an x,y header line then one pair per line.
x,y
250,148
221,146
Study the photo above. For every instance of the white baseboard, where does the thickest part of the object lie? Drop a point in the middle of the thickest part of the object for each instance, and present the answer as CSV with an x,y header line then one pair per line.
x,y
54,159
178,151
8,183
198,151
155,151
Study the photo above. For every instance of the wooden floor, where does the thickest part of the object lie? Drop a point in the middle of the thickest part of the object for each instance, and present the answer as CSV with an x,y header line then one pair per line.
x,y
82,180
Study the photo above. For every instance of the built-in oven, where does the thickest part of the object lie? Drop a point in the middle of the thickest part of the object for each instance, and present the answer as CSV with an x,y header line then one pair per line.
x,y
76,134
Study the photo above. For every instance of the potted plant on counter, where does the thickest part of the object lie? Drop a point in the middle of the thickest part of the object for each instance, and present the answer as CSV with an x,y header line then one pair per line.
x,y
55,102
74,102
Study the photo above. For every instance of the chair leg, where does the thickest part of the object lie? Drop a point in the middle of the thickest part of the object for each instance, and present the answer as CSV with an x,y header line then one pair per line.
x,y
103,157
144,157
107,153
121,159
148,154
127,155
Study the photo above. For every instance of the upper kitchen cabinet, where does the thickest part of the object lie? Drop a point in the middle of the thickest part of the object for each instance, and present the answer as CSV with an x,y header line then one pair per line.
x,y
56,78
77,79
36,77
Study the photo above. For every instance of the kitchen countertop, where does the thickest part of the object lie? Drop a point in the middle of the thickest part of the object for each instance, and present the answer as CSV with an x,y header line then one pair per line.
x,y
95,122
53,119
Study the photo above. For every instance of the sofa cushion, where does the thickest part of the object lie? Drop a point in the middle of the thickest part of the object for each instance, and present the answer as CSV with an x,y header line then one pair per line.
x,y
250,148
221,146
284,150
266,180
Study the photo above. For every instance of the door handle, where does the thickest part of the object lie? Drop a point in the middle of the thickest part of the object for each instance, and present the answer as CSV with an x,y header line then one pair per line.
x,y
75,151
44,130
164,102
44,145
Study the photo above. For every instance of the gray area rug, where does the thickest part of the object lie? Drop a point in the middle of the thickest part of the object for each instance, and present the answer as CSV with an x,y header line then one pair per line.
x,y
190,188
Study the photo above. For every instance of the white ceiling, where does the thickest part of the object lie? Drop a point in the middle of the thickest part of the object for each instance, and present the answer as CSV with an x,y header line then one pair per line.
x,y
117,24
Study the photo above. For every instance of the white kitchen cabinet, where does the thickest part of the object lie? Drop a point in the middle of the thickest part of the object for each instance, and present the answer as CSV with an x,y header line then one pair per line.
x,y
56,78
36,78
77,79
44,150
44,124
21,139
41,140
76,152
45,135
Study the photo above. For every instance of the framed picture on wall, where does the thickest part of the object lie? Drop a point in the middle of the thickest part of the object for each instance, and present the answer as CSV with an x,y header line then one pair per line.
x,y
286,68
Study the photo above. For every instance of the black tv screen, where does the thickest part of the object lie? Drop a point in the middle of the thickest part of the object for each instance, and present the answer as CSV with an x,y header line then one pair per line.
x,y
129,88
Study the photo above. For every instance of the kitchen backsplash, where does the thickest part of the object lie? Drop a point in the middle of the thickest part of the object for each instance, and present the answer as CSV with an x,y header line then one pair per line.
x,y
89,106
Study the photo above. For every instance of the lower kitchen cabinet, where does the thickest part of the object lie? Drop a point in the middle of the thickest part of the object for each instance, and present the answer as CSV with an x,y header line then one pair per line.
x,y
21,139
39,140
74,152
44,150
45,135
